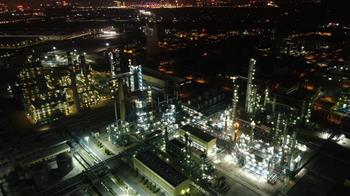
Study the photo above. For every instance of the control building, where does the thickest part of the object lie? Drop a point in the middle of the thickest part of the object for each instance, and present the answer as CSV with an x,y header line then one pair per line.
x,y
200,139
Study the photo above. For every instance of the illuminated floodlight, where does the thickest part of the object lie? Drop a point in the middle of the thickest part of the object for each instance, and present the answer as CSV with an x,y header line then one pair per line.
x,y
302,147
145,12
109,32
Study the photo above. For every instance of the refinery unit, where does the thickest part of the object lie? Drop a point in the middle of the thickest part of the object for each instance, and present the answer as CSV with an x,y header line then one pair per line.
x,y
49,93
264,151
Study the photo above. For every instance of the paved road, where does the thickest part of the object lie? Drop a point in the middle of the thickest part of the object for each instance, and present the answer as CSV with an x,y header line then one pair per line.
x,y
130,180
246,187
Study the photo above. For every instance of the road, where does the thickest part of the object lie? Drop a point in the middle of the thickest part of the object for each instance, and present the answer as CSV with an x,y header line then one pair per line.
x,y
236,176
127,176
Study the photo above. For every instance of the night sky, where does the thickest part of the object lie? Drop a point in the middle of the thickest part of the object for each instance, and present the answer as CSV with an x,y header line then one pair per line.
x,y
38,2
334,7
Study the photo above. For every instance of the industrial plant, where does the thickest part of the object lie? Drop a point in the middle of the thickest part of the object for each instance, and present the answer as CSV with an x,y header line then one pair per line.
x,y
174,98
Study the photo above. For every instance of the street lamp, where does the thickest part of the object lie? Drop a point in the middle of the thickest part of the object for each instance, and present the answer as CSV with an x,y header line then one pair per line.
x,y
252,124
86,138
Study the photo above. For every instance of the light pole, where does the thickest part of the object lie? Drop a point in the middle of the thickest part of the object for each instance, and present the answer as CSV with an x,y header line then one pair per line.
x,y
87,138
235,133
251,136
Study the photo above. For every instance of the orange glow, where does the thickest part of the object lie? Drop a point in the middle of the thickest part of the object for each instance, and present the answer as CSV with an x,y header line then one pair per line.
x,y
184,95
201,80
169,71
65,3
226,88
334,119
328,99
310,87
346,84
189,77
161,68
325,34
317,107
310,57
20,7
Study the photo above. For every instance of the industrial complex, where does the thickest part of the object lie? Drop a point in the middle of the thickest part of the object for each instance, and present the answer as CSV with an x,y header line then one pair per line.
x,y
173,99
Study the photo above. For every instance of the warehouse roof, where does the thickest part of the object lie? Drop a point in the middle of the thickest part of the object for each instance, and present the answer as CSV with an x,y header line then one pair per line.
x,y
198,133
162,168
177,143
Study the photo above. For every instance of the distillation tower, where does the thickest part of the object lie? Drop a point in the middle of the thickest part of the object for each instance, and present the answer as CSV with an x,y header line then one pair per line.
x,y
249,101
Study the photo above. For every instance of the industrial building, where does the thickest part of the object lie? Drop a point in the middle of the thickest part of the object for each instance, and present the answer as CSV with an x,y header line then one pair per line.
x,y
161,173
176,148
160,81
44,154
201,139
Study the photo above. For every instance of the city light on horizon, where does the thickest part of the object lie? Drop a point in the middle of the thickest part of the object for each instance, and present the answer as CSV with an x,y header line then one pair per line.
x,y
248,97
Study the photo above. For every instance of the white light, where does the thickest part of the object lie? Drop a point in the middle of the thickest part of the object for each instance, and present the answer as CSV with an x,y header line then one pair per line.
x,y
252,124
144,12
109,32
297,159
302,148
